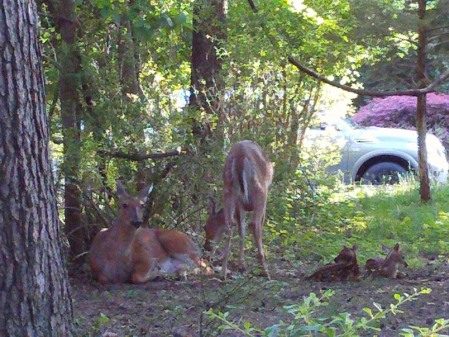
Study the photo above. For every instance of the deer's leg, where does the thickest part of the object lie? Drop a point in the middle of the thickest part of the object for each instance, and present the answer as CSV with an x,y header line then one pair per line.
x,y
226,250
144,271
229,211
241,227
102,279
257,220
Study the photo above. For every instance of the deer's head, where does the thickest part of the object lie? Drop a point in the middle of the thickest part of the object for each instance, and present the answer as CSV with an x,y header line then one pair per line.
x,y
214,227
131,208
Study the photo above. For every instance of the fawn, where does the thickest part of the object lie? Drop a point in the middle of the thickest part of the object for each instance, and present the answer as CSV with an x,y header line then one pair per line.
x,y
389,266
126,252
247,176
344,268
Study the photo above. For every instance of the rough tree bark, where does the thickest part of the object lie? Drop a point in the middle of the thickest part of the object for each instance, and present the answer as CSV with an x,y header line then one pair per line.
x,y
34,290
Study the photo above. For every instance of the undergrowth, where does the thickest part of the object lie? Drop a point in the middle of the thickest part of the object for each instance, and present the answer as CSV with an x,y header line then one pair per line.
x,y
305,320
369,216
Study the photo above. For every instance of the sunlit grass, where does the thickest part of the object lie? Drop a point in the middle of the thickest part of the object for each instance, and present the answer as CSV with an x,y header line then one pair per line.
x,y
371,216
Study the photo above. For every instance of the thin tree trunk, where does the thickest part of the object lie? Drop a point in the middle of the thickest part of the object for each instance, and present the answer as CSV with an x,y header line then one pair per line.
x,y
209,32
129,79
34,290
421,125
129,74
71,110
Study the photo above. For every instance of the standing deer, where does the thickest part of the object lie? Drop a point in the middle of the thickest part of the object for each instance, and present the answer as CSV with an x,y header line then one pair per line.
x,y
247,175
127,252
389,266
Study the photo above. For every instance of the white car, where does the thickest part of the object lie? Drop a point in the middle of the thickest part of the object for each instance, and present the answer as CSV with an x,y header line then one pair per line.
x,y
379,155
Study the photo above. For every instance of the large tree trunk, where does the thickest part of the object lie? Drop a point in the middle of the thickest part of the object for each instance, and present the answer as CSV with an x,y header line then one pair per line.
x,y
421,125
34,291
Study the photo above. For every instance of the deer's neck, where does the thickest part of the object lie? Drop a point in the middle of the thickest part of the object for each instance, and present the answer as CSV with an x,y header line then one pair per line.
x,y
124,231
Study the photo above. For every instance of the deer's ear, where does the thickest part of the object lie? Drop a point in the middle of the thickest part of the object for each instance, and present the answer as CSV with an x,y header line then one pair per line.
x,y
144,192
385,249
396,247
121,190
355,247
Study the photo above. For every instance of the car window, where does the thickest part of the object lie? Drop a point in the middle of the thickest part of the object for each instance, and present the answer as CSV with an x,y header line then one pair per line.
x,y
322,122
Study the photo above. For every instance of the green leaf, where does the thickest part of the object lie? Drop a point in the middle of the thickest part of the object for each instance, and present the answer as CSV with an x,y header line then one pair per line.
x,y
166,22
368,311
378,306
180,19
102,319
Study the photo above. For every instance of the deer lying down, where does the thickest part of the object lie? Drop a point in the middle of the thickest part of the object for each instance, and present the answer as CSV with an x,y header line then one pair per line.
x,y
389,266
345,268
247,175
128,253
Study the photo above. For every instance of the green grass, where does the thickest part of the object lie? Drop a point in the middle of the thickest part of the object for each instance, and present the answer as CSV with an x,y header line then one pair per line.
x,y
372,216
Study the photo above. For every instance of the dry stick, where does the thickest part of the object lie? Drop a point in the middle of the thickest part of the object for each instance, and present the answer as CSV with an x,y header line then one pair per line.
x,y
103,219
220,304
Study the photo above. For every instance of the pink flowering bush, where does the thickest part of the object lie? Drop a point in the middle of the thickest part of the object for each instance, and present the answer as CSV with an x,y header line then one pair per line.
x,y
400,112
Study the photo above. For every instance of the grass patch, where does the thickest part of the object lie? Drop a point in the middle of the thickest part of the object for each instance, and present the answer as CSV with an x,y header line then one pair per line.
x,y
372,216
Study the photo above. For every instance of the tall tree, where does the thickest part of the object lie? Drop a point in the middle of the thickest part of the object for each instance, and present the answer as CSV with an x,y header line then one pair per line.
x,y
209,32
67,24
420,23
421,112
34,290
129,78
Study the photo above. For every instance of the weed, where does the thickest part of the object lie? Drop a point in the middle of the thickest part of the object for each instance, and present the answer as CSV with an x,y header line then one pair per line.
x,y
306,322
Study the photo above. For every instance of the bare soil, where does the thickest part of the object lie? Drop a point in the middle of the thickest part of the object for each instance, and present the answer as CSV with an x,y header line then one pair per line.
x,y
176,308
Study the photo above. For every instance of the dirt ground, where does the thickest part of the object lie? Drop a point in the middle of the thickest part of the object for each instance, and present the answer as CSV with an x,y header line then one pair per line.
x,y
176,308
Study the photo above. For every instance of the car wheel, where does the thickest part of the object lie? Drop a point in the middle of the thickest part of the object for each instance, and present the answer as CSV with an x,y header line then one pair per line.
x,y
383,173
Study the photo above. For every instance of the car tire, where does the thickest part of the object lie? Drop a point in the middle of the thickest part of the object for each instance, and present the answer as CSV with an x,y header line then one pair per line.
x,y
383,173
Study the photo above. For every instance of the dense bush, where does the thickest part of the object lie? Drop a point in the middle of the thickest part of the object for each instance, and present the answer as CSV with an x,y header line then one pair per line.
x,y
400,112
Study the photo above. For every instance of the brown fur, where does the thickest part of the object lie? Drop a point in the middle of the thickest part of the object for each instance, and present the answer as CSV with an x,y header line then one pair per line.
x,y
128,253
388,267
247,175
345,268
215,226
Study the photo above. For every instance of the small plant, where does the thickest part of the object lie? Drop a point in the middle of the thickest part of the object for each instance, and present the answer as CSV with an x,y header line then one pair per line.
x,y
439,326
100,321
307,322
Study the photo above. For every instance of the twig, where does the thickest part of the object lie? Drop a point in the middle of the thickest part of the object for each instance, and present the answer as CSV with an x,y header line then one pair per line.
x,y
137,156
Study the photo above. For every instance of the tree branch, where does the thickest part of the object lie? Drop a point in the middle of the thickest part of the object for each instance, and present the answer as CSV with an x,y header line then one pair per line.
x,y
100,216
412,92
436,28
136,156
252,5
